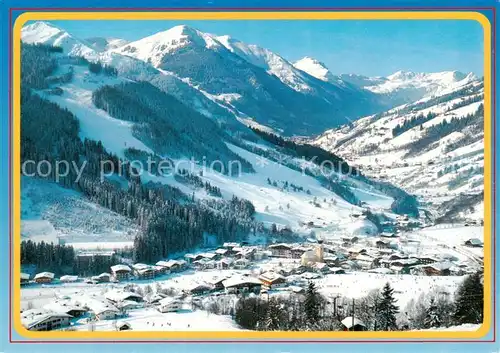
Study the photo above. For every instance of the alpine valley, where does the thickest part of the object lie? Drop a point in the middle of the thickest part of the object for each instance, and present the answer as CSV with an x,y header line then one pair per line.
x,y
265,151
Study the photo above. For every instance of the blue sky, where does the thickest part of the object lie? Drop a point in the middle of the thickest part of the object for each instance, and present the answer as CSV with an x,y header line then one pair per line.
x,y
363,47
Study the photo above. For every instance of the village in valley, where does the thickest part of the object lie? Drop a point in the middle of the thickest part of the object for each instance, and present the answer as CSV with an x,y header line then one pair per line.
x,y
193,291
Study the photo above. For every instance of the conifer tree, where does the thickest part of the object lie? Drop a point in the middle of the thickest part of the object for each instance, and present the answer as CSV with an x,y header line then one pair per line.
x,y
469,301
386,310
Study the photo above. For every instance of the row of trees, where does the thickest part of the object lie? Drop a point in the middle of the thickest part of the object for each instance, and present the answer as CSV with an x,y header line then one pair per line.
x,y
378,310
412,122
168,126
60,259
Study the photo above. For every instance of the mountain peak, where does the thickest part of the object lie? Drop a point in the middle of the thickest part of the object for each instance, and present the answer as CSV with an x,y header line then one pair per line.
x,y
314,68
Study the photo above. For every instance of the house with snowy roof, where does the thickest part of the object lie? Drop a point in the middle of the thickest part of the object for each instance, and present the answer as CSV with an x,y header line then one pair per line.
x,y
44,277
272,280
121,272
44,320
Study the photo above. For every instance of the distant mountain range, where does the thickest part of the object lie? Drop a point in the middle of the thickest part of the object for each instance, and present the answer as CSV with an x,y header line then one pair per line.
x,y
233,79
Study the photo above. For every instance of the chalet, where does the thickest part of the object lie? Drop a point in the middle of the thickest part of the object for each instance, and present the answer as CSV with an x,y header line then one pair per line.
x,y
383,244
199,289
331,260
297,252
230,246
143,271
25,278
403,266
224,263
245,253
353,324
203,264
217,282
44,320
242,284
127,305
65,306
474,243
272,280
159,270
321,267
348,241
190,258
210,256
171,265
102,278
337,270
123,326
425,260
241,264
222,252
101,309
261,255
281,250
437,269
44,277
353,252
169,305
397,257
116,296
155,298
68,279
121,272
365,261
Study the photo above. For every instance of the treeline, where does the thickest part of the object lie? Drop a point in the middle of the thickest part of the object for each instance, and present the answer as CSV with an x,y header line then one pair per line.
x,y
436,132
183,176
168,126
97,68
37,64
61,260
314,154
412,122
377,311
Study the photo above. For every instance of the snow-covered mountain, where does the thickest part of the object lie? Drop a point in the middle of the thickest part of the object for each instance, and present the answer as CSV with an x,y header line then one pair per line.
x,y
103,44
47,33
315,68
433,147
261,85
396,89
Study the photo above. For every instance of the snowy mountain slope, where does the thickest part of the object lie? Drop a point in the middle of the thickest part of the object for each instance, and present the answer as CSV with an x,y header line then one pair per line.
x,y
51,212
270,89
433,148
103,44
47,33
